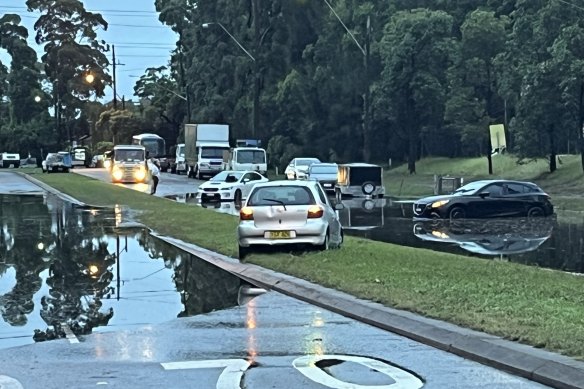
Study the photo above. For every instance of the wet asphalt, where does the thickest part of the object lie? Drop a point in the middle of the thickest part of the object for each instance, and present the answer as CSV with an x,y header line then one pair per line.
x,y
263,341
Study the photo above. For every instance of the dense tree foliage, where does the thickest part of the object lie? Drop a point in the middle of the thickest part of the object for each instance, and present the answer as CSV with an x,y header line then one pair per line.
x,y
342,80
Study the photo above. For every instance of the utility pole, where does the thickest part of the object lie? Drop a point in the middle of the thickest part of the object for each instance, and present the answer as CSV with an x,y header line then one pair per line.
x,y
256,70
367,96
114,78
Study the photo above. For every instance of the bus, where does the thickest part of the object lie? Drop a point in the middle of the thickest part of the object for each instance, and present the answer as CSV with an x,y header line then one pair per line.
x,y
155,146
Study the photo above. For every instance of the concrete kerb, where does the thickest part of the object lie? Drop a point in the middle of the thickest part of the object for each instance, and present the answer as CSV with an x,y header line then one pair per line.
x,y
535,364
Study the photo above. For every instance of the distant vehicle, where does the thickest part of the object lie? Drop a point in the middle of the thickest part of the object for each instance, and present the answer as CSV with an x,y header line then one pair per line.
x,y
129,164
325,173
493,237
9,159
287,213
204,148
57,162
97,161
248,143
107,159
487,198
155,145
178,163
246,158
359,180
230,185
80,156
298,168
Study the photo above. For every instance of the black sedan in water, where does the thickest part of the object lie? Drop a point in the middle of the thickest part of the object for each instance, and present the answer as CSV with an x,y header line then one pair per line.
x,y
487,198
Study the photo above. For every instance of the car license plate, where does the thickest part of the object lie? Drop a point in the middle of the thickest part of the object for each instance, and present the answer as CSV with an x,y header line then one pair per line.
x,y
279,234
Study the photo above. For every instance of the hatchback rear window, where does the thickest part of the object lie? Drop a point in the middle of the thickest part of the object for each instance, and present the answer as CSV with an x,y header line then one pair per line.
x,y
283,195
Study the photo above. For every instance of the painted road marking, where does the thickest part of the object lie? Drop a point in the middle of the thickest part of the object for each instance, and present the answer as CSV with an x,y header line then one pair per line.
x,y
69,334
403,379
9,383
230,376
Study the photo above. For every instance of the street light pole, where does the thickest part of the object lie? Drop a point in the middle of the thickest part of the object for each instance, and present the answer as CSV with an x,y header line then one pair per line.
x,y
256,88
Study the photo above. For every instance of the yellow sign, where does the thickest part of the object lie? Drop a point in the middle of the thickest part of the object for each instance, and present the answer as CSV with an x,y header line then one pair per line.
x,y
498,140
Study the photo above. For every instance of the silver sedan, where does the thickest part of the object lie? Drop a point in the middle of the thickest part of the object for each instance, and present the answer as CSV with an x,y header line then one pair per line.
x,y
287,213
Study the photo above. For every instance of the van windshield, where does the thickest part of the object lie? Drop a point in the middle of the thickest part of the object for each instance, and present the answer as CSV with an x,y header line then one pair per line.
x,y
251,156
213,152
129,155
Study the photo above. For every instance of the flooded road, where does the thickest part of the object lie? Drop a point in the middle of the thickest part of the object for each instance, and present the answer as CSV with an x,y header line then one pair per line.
x,y
61,265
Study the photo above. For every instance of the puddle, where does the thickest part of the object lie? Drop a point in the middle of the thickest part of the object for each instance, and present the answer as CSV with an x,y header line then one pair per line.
x,y
544,242
61,264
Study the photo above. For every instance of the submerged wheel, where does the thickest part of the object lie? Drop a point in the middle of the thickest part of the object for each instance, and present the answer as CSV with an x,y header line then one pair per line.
x,y
535,212
457,213
237,197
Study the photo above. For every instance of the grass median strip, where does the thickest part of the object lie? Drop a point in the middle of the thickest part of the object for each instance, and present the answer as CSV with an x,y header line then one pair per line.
x,y
540,307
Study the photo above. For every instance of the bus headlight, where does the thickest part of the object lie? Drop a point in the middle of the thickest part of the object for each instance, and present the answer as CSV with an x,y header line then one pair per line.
x,y
117,173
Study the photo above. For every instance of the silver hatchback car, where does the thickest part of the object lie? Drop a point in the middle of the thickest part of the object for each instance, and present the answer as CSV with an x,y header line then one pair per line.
x,y
286,213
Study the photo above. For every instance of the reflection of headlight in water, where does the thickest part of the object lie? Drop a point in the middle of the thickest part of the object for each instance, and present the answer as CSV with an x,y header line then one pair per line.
x,y
93,269
440,235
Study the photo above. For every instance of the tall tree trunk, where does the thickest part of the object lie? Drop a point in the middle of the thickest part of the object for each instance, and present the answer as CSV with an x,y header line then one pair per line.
x,y
581,124
553,165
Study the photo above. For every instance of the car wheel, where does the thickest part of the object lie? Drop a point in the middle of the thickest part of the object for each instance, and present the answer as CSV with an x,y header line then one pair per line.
x,y
326,244
237,197
535,212
197,173
457,213
342,239
368,188
243,252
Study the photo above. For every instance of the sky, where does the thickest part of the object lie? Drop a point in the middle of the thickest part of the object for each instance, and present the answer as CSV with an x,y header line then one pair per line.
x,y
141,40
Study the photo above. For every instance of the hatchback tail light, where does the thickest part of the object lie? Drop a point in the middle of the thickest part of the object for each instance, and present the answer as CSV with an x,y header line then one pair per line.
x,y
246,214
315,212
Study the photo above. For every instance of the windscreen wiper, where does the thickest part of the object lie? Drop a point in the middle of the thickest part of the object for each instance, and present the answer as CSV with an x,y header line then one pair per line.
x,y
277,201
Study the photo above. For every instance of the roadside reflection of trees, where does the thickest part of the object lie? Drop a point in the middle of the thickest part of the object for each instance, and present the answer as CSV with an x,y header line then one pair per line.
x,y
203,286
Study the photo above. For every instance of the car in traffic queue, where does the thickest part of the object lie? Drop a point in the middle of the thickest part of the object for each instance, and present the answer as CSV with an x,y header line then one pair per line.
x,y
359,180
229,185
326,174
486,199
57,162
284,213
9,159
297,169
128,164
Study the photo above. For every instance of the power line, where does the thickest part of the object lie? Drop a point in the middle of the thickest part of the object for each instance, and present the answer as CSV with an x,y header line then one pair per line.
x,y
573,5
130,11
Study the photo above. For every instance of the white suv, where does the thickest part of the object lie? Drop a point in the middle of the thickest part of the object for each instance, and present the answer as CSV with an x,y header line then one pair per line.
x,y
7,159
298,168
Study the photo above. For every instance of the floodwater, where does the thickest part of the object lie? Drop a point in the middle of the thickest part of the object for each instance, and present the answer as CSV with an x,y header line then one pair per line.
x,y
545,242
60,264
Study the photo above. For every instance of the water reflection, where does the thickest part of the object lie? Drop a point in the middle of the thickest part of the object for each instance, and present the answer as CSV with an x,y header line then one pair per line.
x,y
362,214
62,265
493,237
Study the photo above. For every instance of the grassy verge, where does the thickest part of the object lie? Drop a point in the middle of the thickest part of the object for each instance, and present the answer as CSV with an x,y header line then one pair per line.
x,y
531,305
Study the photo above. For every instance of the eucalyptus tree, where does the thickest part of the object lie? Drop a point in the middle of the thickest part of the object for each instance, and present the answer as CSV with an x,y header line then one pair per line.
x,y
72,51
473,103
415,50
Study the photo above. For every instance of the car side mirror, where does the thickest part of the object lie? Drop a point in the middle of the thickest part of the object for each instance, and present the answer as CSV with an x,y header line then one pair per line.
x,y
339,206
484,194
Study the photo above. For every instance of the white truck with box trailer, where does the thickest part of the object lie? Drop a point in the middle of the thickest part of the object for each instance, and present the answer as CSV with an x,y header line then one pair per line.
x,y
204,148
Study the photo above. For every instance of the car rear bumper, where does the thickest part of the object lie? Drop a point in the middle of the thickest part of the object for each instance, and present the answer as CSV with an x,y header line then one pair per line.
x,y
250,235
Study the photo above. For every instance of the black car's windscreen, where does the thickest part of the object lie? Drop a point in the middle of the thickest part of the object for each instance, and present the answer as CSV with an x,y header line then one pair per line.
x,y
361,175
283,195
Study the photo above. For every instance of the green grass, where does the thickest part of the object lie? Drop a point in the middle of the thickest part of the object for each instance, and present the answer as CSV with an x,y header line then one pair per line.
x,y
535,306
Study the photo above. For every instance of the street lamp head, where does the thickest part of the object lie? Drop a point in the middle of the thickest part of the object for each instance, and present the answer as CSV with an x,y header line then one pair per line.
x,y
37,99
90,78
206,25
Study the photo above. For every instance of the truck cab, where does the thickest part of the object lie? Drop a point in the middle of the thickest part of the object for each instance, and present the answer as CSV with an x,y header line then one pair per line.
x,y
246,158
129,164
